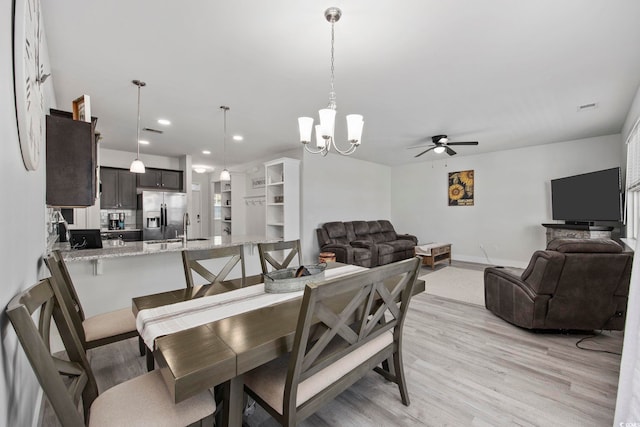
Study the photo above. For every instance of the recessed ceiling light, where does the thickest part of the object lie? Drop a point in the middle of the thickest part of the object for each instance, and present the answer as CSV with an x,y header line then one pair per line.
x,y
237,137
164,122
143,142
200,170
206,152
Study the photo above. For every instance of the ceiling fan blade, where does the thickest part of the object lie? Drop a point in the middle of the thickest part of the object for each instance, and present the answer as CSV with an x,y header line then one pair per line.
x,y
425,151
463,143
418,146
450,151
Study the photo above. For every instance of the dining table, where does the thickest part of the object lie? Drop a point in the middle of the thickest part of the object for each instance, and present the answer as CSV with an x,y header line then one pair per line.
x,y
219,353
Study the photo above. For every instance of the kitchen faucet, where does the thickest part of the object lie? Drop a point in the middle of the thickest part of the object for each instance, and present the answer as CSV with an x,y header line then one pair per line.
x,y
185,223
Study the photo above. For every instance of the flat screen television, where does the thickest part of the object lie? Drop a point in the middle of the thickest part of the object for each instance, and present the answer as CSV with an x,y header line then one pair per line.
x,y
588,197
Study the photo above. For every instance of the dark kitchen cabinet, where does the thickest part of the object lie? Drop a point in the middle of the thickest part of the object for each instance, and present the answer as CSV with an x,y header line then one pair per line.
x,y
118,189
71,161
160,179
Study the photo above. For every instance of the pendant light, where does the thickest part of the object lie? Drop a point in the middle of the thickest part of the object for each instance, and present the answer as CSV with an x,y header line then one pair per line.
x,y
225,175
324,131
137,166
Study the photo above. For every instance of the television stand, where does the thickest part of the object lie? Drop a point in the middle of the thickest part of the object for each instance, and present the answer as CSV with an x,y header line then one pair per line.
x,y
577,231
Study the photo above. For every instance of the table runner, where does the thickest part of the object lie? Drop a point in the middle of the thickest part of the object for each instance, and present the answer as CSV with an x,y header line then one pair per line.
x,y
155,322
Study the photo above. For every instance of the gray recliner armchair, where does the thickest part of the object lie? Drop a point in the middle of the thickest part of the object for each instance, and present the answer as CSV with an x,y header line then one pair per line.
x,y
579,284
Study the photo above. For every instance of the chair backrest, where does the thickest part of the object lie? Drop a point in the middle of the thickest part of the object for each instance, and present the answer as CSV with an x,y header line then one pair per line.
x,y
191,261
285,250
587,280
66,279
66,292
79,382
328,332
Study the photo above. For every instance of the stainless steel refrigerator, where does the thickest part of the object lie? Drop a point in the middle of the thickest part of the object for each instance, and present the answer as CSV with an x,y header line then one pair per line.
x,y
160,214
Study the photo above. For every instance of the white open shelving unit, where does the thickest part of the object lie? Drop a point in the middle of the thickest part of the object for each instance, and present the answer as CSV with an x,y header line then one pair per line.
x,y
282,195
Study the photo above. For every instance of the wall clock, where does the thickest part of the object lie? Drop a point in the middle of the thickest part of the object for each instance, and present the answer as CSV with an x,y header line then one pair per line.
x,y
29,79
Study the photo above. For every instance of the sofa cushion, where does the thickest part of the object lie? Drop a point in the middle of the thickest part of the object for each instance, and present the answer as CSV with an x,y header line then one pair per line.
x,y
362,256
584,246
399,245
387,230
337,232
361,230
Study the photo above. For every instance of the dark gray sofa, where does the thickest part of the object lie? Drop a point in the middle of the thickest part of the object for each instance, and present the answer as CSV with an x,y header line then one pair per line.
x,y
365,243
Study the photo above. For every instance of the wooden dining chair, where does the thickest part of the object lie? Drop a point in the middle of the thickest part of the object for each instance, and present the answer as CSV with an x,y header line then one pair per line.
x,y
287,251
192,261
98,330
337,344
144,400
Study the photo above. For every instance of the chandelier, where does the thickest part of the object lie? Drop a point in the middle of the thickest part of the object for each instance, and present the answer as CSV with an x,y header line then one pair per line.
x,y
325,130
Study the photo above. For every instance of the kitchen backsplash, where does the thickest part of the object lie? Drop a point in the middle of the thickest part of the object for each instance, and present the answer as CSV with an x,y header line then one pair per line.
x,y
129,217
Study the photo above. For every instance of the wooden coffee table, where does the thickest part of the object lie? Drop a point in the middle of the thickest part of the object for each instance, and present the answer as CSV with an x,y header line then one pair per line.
x,y
440,252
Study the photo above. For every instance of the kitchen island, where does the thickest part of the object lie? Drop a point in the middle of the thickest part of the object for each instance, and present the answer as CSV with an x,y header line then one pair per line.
x,y
107,279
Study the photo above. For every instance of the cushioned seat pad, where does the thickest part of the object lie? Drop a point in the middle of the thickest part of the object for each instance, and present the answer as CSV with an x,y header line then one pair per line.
x,y
268,380
145,401
109,324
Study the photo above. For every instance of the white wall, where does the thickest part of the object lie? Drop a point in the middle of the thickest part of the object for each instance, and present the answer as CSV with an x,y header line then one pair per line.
x,y
23,239
206,203
512,197
339,188
628,399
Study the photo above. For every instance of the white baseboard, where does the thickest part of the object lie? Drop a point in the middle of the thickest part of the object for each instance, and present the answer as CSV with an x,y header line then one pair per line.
x,y
483,260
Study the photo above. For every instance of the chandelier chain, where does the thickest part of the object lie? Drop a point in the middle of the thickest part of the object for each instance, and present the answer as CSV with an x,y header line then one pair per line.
x,y
332,94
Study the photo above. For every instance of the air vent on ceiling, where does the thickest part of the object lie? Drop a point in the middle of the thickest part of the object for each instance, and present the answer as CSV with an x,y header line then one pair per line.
x,y
153,130
590,106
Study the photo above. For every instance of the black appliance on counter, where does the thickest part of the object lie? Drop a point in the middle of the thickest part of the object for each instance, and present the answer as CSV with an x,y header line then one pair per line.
x,y
85,239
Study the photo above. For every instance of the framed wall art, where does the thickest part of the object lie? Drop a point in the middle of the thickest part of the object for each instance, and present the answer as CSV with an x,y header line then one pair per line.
x,y
257,182
461,188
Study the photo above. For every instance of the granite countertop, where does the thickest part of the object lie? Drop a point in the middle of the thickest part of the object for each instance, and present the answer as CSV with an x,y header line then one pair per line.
x,y
118,248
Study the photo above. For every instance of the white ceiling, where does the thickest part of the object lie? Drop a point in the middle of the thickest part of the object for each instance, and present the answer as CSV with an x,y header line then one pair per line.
x,y
503,72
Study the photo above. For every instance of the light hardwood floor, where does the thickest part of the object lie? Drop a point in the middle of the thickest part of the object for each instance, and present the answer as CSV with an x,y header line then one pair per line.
x,y
465,367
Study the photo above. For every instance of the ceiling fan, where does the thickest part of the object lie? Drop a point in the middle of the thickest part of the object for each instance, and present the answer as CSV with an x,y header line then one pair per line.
x,y
441,143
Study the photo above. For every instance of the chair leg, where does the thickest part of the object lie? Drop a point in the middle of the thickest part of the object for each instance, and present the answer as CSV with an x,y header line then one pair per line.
x,y
141,346
150,362
400,379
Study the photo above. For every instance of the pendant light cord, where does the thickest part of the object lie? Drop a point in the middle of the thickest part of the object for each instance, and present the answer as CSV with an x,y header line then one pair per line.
x,y
138,125
224,141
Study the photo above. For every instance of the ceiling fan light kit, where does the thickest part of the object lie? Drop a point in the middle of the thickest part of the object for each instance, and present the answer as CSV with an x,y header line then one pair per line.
x,y
325,130
137,166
